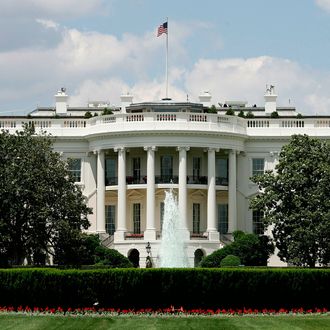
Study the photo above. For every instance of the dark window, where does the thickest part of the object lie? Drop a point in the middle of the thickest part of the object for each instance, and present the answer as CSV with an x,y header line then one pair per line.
x,y
258,223
136,170
110,219
222,171
196,218
137,218
166,168
223,218
75,168
111,171
196,168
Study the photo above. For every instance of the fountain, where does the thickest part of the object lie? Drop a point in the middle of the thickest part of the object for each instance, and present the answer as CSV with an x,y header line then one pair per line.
x,y
172,252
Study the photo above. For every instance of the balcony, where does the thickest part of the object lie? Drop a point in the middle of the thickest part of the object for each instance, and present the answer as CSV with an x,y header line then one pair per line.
x,y
111,181
196,179
136,180
220,181
166,179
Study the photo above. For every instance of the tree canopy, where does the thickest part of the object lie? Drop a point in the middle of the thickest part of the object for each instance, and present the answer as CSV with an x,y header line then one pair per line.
x,y
296,201
39,201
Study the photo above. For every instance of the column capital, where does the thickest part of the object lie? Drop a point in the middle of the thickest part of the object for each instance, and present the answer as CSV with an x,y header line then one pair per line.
x,y
118,149
97,151
182,148
211,149
234,151
151,148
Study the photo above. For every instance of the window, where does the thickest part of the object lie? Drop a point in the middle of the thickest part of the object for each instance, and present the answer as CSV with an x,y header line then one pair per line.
x,y
196,168
110,219
137,218
111,171
257,222
75,168
162,205
223,218
222,171
166,168
258,166
136,170
196,218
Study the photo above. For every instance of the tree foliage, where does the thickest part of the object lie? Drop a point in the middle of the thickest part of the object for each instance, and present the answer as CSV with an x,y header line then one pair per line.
x,y
39,201
296,200
251,249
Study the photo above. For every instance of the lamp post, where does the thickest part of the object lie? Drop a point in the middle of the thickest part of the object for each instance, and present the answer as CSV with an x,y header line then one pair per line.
x,y
148,259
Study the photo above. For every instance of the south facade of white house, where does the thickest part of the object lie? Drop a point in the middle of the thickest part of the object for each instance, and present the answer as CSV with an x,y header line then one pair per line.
x,y
126,160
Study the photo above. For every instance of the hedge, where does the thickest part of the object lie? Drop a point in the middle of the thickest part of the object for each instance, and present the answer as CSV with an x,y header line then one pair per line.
x,y
159,288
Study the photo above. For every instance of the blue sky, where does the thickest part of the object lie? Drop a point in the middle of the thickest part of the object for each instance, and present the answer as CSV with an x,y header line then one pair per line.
x,y
100,49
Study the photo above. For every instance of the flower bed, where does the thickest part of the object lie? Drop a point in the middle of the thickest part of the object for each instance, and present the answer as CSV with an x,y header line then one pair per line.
x,y
171,311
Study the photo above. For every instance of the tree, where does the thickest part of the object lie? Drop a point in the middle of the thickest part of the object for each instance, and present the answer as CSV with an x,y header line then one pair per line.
x,y
230,112
296,201
251,249
241,114
39,201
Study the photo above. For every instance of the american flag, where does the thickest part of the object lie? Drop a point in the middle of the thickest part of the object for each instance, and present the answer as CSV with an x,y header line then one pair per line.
x,y
162,29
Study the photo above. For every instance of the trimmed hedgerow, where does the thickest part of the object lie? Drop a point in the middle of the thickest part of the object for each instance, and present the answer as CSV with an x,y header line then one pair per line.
x,y
159,288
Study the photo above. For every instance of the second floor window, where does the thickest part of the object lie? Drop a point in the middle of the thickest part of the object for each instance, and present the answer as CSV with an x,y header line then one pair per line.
x,y
166,167
110,171
75,168
222,171
258,166
136,169
196,167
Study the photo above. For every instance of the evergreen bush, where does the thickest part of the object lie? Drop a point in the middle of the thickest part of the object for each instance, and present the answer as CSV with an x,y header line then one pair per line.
x,y
160,288
230,261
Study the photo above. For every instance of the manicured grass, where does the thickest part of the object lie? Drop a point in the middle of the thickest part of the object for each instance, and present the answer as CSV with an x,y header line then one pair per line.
x,y
28,322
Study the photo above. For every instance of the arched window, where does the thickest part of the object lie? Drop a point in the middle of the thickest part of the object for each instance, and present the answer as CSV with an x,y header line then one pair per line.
x,y
199,254
134,257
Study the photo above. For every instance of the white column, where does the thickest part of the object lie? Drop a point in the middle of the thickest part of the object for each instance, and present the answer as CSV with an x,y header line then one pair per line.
x,y
213,233
183,189
121,227
100,196
150,232
232,207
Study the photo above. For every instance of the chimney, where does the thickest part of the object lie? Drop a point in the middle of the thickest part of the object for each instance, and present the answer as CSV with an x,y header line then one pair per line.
x,y
61,99
126,100
270,99
205,99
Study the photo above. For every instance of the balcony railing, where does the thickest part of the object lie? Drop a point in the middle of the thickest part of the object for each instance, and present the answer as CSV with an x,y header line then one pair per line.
x,y
220,181
196,179
136,180
111,181
166,179
198,235
132,235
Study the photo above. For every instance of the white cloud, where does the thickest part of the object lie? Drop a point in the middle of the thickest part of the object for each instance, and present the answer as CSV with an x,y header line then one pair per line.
x,y
245,79
47,23
324,4
49,8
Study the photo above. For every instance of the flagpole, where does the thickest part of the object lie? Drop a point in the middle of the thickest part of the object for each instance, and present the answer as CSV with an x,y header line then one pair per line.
x,y
167,59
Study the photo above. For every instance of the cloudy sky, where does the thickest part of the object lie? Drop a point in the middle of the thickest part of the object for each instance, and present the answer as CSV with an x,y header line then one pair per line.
x,y
99,49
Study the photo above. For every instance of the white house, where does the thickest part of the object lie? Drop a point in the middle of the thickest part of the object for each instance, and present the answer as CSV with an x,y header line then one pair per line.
x,y
126,160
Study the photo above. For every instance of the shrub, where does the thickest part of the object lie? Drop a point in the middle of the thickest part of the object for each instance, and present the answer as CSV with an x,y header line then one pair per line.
x,y
274,114
249,114
230,112
88,114
212,109
230,261
107,111
253,250
241,114
159,288
111,258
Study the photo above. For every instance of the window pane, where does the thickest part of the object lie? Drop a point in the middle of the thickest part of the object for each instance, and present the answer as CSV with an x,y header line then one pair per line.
x,y
137,218
196,167
75,168
257,221
196,218
258,165
223,218
136,170
222,171
111,171
110,219
161,215
166,168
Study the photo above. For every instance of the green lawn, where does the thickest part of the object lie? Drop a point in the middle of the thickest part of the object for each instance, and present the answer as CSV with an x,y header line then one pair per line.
x,y
17,322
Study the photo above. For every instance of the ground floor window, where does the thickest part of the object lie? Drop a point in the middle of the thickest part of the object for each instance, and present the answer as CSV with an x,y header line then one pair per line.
x,y
110,219
137,218
257,222
196,218
161,215
223,218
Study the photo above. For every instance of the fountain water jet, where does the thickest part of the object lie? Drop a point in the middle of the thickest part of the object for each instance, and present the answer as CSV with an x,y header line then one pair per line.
x,y
172,252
